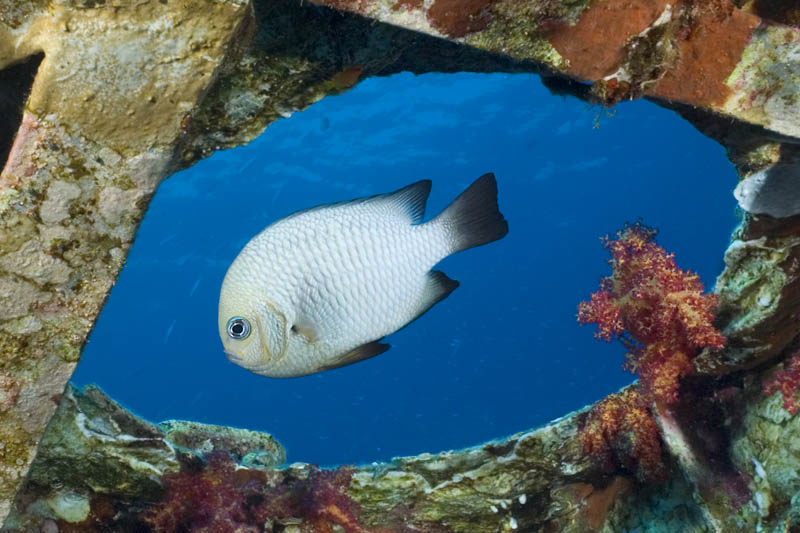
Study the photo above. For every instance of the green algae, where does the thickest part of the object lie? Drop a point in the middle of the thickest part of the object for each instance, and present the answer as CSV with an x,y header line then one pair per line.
x,y
753,281
93,444
252,449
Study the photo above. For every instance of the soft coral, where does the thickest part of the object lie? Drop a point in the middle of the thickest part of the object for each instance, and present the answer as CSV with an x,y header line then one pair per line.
x,y
787,382
220,497
661,315
620,431
658,310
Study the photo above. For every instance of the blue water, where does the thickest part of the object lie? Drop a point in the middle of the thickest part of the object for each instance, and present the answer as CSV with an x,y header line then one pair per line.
x,y
503,353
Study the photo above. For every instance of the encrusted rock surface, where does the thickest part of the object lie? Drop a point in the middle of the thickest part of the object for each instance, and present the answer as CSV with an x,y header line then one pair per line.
x,y
112,86
94,449
113,96
714,55
251,449
101,468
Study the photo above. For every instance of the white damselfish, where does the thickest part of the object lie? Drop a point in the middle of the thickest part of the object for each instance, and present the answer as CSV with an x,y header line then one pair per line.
x,y
320,288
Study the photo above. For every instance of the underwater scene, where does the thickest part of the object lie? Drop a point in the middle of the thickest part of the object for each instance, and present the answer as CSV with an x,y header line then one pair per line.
x,y
504,352
360,266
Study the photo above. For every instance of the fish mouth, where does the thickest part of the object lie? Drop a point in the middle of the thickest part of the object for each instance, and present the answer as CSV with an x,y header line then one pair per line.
x,y
235,359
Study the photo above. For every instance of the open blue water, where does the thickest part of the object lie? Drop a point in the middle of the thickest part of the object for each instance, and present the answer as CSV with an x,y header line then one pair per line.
x,y
503,353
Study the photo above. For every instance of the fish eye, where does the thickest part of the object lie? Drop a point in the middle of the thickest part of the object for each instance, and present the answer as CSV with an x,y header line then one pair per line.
x,y
238,328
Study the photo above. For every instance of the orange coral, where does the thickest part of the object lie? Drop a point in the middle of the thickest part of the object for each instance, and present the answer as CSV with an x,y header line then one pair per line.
x,y
658,310
620,431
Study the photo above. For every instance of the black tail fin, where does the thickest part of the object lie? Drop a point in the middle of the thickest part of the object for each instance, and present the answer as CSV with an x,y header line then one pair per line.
x,y
473,218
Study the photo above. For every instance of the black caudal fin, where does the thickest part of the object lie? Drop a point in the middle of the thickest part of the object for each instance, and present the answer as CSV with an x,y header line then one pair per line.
x,y
473,218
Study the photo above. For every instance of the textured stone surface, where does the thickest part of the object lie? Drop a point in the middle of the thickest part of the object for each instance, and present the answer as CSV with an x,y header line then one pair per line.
x,y
103,448
94,448
101,468
708,54
250,448
100,124
290,56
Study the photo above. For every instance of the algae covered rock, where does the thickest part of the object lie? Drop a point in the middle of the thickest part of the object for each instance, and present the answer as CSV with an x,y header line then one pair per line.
x,y
102,468
94,444
251,449
96,452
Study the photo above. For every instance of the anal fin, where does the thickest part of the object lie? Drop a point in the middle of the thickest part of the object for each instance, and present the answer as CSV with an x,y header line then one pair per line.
x,y
365,351
437,287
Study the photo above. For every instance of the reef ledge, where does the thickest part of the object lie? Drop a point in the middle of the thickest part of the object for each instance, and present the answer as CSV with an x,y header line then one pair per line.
x,y
101,468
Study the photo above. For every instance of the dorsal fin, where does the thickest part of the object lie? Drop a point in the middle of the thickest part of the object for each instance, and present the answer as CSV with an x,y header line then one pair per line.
x,y
411,199
407,202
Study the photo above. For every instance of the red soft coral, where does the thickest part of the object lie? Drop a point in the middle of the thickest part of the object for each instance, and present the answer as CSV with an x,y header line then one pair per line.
x,y
206,500
658,310
320,499
620,431
220,498
787,382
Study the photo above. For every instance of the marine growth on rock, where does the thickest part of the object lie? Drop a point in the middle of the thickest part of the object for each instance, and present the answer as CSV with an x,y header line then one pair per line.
x,y
220,496
787,382
620,431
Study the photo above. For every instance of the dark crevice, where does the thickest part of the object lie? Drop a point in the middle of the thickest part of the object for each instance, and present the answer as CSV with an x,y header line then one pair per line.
x,y
327,52
15,86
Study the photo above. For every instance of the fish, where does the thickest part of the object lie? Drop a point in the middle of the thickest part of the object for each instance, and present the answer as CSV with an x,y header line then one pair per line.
x,y
321,288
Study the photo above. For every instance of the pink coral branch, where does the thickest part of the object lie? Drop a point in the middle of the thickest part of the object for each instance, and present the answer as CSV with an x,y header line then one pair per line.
x,y
787,382
661,307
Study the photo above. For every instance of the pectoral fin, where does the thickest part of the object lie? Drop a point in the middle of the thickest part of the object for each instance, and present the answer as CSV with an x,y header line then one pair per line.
x,y
365,351
305,330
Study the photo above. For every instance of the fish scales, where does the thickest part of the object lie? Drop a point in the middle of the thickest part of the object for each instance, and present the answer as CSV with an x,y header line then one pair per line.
x,y
320,288
342,287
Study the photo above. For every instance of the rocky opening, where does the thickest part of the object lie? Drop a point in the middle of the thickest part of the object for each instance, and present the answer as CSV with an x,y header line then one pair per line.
x,y
15,86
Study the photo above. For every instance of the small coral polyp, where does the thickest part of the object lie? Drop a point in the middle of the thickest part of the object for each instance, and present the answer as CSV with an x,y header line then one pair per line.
x,y
656,309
